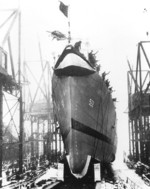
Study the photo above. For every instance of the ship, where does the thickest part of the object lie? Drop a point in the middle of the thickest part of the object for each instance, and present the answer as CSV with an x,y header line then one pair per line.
x,y
85,111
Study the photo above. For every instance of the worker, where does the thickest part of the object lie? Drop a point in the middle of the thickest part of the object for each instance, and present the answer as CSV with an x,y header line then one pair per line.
x,y
77,46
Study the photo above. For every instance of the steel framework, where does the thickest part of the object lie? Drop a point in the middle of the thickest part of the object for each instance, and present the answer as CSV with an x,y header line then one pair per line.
x,y
39,111
10,69
139,105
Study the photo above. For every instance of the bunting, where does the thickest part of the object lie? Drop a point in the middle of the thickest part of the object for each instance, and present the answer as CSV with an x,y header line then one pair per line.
x,y
63,8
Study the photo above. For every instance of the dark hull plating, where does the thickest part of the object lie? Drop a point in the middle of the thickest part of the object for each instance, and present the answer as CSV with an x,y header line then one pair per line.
x,y
87,118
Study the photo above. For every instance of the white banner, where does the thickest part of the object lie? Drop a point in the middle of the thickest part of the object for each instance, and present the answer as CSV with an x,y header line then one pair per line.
x,y
60,171
97,172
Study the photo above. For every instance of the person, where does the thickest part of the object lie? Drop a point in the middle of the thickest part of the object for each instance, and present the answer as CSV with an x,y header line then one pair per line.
x,y
47,163
7,174
77,46
98,68
104,75
107,83
92,59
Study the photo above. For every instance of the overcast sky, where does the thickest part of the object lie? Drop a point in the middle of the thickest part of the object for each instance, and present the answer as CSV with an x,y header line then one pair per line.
x,y
113,27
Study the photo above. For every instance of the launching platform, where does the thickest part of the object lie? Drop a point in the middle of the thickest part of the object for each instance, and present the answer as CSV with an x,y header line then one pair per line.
x,y
125,178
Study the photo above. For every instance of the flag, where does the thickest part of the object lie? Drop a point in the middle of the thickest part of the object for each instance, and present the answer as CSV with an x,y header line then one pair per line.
x,y
58,35
63,8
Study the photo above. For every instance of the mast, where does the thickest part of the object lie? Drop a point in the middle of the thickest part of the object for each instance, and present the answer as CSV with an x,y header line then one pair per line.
x,y
69,30
65,10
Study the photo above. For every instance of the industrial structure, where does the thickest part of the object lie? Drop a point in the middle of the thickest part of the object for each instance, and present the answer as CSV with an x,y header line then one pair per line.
x,y
139,106
10,69
44,136
14,81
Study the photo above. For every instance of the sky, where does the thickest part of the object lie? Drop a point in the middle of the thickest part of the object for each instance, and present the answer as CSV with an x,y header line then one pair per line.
x,y
113,28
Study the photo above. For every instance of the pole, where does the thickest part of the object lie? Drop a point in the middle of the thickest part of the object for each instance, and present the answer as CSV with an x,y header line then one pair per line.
x,y
1,132
37,139
20,99
48,137
21,133
49,117
69,30
32,138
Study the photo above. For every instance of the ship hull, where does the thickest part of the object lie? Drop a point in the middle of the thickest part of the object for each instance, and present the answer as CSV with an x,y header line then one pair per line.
x,y
86,114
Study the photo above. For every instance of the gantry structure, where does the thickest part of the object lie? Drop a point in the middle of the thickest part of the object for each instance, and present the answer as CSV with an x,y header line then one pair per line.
x,y
34,105
139,105
10,80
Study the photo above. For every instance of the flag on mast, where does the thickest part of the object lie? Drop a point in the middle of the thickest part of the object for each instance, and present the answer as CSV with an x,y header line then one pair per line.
x,y
63,8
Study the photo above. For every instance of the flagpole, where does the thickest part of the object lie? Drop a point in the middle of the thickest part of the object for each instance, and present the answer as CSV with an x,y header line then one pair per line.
x,y
65,10
69,31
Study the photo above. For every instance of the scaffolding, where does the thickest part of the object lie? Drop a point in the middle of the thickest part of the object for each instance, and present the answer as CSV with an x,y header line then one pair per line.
x,y
10,81
45,138
139,105
13,81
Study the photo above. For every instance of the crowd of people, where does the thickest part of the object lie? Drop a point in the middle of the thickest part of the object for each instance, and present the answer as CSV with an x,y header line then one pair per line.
x,y
29,168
